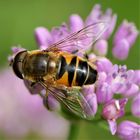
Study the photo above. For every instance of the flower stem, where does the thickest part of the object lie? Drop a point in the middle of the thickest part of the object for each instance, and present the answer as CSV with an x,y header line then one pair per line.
x,y
73,132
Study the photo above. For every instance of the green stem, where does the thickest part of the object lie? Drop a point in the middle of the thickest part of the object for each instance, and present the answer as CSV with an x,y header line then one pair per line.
x,y
74,126
128,113
73,132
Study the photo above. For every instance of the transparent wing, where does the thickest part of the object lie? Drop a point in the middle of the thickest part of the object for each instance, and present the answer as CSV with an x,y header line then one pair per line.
x,y
81,39
33,88
73,100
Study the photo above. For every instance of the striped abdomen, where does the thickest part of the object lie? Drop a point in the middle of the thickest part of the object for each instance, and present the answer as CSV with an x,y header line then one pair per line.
x,y
74,71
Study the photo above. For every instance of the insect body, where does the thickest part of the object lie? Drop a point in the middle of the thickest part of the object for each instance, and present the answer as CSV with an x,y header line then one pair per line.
x,y
56,70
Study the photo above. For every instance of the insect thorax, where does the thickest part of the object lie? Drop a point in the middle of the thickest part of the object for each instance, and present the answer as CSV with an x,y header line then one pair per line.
x,y
39,65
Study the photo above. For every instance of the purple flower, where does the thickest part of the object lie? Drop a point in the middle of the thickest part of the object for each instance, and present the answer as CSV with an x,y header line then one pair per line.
x,y
90,97
124,39
22,114
135,108
59,33
112,110
128,31
121,49
115,79
122,81
128,130
45,38
97,15
76,23
104,90
136,77
101,47
104,65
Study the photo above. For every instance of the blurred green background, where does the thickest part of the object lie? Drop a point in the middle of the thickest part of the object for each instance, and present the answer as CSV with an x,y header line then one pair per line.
x,y
19,18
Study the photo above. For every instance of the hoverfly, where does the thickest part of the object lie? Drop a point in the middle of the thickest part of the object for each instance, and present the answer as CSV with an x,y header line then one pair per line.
x,y
61,73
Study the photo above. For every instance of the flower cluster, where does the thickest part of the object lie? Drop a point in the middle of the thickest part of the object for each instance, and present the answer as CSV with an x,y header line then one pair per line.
x,y
113,80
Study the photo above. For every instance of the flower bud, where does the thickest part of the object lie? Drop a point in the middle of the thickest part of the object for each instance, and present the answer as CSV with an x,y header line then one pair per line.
x,y
104,92
135,108
131,90
114,109
136,77
91,100
101,47
121,49
59,33
128,130
76,23
126,31
43,37
124,39
104,65
98,15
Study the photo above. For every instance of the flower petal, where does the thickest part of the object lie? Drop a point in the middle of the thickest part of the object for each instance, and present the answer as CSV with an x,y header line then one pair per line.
x,y
76,23
128,130
91,99
94,15
43,37
136,77
104,93
101,47
112,20
135,108
112,126
104,65
131,91
126,31
121,49
59,33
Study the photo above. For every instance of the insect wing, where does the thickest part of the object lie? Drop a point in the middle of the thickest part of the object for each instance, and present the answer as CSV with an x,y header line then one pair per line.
x,y
33,88
73,100
82,39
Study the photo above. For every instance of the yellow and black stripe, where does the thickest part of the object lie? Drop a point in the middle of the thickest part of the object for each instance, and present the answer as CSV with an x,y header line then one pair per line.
x,y
75,71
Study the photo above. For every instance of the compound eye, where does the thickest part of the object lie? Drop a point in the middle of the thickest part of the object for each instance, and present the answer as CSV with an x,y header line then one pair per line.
x,y
18,63
17,66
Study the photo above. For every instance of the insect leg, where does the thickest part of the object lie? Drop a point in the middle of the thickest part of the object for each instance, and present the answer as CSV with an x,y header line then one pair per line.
x,y
45,100
32,84
44,96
